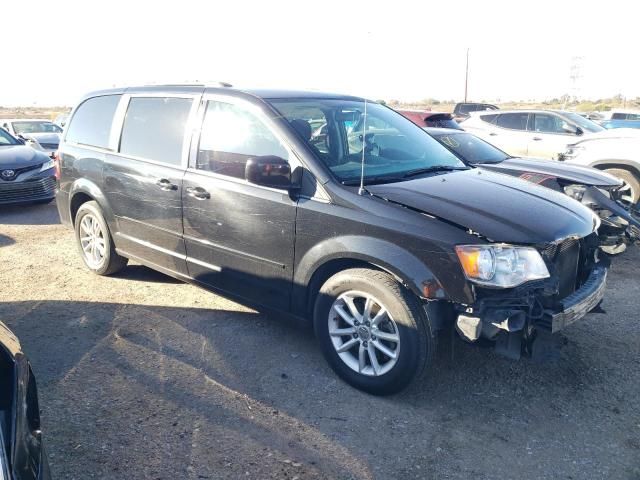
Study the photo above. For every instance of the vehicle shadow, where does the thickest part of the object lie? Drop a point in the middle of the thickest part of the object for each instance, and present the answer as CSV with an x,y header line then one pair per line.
x,y
5,240
142,273
260,383
30,214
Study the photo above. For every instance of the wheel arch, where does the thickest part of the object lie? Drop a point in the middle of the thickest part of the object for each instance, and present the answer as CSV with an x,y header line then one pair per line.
x,y
334,255
84,190
628,165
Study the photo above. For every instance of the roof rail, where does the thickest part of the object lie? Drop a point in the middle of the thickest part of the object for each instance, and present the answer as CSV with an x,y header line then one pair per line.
x,y
191,84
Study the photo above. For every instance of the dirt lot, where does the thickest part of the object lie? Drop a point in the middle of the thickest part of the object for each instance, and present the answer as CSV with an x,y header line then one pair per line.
x,y
144,377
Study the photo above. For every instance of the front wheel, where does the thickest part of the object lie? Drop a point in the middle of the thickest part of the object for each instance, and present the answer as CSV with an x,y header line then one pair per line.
x,y
372,331
631,191
95,242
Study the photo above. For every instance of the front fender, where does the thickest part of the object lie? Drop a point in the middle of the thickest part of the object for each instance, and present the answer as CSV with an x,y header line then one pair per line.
x,y
410,270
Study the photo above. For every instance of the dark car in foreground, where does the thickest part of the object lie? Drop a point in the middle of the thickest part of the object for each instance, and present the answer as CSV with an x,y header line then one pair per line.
x,y
22,453
381,242
26,175
600,191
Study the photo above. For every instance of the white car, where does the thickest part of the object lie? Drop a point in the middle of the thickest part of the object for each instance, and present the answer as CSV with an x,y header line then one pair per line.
x,y
618,156
40,134
537,133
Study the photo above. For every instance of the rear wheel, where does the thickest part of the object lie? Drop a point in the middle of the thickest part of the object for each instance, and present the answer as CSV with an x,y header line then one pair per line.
x,y
372,331
95,242
632,192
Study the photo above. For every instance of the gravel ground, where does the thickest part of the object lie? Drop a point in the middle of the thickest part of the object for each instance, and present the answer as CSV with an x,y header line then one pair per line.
x,y
145,377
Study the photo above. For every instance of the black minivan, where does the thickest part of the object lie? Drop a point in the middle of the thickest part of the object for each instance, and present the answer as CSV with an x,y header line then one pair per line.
x,y
329,208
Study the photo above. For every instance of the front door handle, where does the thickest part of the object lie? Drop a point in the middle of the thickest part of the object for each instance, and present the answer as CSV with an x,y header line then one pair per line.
x,y
166,185
198,192
536,139
493,134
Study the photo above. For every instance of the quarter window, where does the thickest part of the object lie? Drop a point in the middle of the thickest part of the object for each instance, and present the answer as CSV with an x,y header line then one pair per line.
x,y
91,123
489,118
154,128
514,121
230,136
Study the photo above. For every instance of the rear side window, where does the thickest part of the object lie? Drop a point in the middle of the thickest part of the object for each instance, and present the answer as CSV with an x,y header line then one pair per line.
x,y
154,128
514,121
91,123
633,116
618,116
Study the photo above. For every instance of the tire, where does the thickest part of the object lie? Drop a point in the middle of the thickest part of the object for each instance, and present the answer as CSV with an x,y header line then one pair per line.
x,y
628,177
405,322
92,235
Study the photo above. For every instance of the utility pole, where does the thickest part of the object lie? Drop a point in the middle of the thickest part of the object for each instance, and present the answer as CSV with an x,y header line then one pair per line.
x,y
466,78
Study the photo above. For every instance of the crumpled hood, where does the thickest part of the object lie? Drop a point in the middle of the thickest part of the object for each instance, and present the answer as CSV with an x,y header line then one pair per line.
x,y
499,207
552,168
20,156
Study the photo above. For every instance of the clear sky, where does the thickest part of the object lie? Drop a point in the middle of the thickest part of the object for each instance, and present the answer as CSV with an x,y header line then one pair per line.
x,y
54,51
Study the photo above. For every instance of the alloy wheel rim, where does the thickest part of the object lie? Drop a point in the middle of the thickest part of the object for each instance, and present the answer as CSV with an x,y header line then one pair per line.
x,y
92,241
364,334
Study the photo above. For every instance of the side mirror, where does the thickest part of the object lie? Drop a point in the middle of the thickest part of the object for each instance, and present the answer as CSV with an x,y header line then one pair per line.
x,y
570,129
268,171
579,131
21,141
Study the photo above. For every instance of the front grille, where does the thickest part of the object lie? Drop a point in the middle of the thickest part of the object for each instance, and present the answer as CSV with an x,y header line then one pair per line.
x,y
26,191
563,260
19,171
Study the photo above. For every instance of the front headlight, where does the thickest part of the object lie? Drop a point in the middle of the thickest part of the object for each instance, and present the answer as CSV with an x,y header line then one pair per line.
x,y
502,266
47,165
575,191
572,152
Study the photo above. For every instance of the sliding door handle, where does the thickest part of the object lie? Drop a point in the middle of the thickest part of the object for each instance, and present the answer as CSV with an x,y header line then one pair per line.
x,y
165,184
198,192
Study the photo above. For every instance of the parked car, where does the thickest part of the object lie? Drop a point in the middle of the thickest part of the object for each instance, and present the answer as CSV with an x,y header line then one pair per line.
x,y
462,110
617,156
26,175
380,246
425,118
41,134
600,191
620,119
536,133
22,452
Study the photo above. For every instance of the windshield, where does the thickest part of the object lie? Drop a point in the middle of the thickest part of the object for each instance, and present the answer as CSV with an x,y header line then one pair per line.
x,y
584,123
6,138
470,148
394,147
22,128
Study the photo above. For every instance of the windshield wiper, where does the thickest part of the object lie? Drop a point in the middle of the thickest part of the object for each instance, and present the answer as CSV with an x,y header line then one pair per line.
x,y
434,169
373,180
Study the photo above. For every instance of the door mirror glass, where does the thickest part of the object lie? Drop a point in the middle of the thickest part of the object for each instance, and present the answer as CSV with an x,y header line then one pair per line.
x,y
268,171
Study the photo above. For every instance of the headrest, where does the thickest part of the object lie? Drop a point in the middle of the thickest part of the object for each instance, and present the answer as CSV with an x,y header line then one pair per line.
x,y
302,127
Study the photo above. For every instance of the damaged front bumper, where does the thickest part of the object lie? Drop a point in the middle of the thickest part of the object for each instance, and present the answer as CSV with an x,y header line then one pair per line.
x,y
619,226
578,304
516,319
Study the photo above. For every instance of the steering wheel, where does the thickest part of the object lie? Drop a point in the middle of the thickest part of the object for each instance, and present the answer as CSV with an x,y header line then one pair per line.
x,y
370,146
